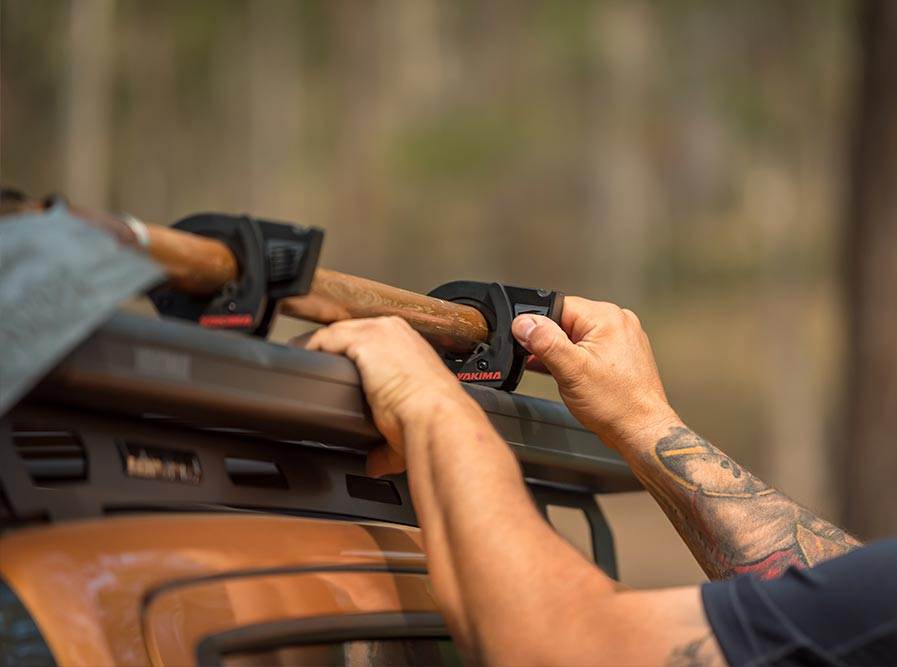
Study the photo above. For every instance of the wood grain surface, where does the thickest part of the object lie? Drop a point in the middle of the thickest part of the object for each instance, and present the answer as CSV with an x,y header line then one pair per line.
x,y
338,296
194,264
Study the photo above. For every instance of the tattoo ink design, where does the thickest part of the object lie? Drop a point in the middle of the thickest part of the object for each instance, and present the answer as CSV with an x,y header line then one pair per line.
x,y
698,653
699,466
733,522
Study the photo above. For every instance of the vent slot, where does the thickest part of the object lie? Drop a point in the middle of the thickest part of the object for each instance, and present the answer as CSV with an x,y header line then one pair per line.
x,y
51,456
368,488
253,472
283,260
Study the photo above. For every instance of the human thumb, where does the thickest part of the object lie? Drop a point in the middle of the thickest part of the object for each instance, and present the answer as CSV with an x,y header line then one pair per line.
x,y
547,341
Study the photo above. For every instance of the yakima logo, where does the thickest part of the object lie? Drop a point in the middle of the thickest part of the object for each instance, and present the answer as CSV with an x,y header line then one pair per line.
x,y
225,321
479,377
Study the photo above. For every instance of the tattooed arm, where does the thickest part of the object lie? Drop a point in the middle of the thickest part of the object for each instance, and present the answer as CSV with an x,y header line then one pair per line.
x,y
731,521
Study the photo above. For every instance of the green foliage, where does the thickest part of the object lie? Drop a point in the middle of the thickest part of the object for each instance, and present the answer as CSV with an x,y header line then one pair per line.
x,y
456,148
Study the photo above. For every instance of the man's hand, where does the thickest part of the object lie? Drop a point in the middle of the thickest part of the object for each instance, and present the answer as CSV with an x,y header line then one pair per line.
x,y
732,521
604,367
403,378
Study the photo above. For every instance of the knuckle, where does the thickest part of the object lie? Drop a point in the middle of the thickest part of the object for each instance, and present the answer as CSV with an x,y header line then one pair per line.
x,y
577,305
395,323
343,326
605,314
376,325
632,317
615,318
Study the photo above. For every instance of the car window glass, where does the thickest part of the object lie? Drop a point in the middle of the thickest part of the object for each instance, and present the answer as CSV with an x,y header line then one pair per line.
x,y
21,642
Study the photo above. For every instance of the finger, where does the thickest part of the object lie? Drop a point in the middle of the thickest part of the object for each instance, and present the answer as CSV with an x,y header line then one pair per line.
x,y
574,309
315,342
548,342
384,460
338,338
301,342
580,316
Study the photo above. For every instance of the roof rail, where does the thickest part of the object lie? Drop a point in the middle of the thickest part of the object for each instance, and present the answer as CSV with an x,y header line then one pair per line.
x,y
141,366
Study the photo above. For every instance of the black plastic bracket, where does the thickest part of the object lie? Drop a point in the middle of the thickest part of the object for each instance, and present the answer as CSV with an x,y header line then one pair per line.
x,y
603,552
275,260
501,360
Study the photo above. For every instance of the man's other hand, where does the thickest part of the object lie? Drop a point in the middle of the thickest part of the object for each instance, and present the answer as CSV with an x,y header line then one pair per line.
x,y
403,378
604,367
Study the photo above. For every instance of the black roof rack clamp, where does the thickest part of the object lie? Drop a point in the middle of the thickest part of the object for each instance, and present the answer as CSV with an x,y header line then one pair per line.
x,y
500,361
275,260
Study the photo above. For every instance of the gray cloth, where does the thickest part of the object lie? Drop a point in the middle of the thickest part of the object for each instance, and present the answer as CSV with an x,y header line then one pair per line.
x,y
60,278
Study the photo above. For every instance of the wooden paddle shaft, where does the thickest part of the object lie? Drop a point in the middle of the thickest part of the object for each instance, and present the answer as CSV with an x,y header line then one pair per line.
x,y
337,296
201,266
194,264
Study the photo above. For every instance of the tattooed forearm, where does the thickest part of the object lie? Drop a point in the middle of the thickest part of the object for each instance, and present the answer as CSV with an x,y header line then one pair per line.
x,y
698,653
733,522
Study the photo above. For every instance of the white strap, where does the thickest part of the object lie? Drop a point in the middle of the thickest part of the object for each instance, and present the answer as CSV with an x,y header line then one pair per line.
x,y
138,227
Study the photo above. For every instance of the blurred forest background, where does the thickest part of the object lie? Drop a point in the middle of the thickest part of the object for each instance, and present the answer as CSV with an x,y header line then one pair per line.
x,y
702,162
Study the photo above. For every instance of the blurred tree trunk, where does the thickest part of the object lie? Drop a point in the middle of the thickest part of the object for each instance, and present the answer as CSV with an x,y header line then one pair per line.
x,y
358,102
275,87
870,448
147,135
89,111
619,195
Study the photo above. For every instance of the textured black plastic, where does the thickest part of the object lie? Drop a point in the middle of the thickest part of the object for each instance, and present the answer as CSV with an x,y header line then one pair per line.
x,y
275,260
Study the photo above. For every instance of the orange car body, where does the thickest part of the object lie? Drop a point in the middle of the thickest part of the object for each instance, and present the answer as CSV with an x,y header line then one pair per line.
x,y
146,590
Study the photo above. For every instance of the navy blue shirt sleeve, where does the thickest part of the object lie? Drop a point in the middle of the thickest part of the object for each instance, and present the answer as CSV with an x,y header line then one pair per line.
x,y
841,612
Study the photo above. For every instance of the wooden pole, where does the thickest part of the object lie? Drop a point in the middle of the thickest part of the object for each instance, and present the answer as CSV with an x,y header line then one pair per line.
x,y
338,296
194,264
201,266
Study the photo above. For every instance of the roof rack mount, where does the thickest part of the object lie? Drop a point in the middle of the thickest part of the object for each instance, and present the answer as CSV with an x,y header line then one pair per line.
x,y
151,368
